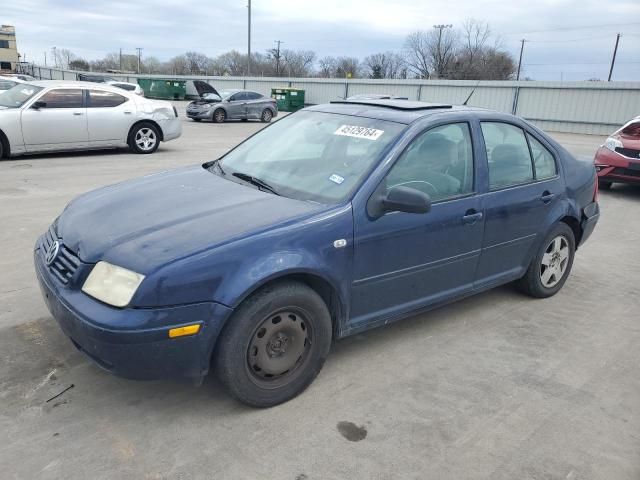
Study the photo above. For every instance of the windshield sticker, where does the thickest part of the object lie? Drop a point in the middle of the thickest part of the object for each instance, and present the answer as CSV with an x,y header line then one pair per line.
x,y
359,132
336,178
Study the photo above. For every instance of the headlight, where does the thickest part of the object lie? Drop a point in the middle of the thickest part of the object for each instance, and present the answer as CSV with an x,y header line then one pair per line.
x,y
112,284
612,143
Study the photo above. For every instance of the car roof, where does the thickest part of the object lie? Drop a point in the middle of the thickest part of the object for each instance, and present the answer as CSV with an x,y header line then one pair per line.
x,y
73,83
400,111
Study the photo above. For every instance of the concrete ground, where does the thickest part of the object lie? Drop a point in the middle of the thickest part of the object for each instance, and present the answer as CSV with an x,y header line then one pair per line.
x,y
498,386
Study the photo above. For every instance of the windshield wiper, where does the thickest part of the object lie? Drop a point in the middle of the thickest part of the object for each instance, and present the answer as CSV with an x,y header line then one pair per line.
x,y
255,181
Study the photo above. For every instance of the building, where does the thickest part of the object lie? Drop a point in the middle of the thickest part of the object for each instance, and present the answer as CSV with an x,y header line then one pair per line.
x,y
8,49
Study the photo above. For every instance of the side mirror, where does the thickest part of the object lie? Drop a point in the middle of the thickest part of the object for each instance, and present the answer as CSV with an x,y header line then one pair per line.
x,y
38,105
399,199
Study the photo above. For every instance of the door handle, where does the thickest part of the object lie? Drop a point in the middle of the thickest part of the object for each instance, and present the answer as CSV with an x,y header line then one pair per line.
x,y
547,196
128,112
471,217
77,113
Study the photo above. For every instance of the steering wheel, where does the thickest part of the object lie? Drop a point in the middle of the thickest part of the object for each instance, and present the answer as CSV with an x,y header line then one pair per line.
x,y
430,186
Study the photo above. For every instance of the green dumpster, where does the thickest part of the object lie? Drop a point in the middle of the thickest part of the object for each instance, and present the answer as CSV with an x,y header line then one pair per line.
x,y
288,99
163,88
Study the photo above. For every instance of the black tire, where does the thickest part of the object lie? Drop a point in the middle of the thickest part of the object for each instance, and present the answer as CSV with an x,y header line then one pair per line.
x,y
263,368
196,119
141,131
604,184
1,149
532,282
267,116
219,116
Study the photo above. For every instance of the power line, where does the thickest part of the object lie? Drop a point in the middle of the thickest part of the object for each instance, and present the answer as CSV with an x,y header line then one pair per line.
x,y
566,29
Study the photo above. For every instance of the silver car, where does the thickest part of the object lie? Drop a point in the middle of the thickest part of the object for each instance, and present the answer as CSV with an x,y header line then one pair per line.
x,y
230,104
52,115
129,87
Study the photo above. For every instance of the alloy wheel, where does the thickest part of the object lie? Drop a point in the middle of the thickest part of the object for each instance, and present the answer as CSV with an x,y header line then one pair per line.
x,y
146,139
554,261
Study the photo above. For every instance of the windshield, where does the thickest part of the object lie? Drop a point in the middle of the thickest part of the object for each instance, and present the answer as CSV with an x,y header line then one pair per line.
x,y
210,96
227,93
16,96
312,155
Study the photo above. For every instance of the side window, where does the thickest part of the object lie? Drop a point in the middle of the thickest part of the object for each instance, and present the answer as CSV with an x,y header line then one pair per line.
x,y
438,162
508,154
253,96
542,159
63,98
238,97
101,98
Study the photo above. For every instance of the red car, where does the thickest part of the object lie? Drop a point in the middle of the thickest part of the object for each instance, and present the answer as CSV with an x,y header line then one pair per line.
x,y
618,160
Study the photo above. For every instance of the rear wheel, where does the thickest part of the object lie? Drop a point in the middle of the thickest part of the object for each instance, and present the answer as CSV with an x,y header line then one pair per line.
x,y
274,345
550,267
604,184
219,116
144,138
267,115
1,149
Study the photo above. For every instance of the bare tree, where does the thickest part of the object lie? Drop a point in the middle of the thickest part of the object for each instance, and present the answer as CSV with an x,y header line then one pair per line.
x,y
298,63
418,56
385,65
327,67
347,67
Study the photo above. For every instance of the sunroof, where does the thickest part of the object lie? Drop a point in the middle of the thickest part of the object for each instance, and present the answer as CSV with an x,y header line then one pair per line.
x,y
395,104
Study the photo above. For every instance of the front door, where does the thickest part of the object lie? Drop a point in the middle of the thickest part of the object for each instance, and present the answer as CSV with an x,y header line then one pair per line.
x,y
58,123
404,261
524,186
237,106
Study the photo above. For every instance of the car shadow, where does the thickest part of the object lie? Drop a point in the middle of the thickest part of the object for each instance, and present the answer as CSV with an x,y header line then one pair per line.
x,y
621,190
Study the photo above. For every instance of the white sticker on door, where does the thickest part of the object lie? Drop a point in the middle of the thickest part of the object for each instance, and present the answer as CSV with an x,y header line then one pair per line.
x,y
359,132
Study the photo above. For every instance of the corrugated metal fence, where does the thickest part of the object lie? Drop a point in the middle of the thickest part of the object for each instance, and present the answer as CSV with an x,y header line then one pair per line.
x,y
575,107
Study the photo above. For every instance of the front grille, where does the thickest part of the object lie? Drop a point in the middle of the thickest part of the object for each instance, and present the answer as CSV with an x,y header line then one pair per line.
x,y
626,171
66,263
628,152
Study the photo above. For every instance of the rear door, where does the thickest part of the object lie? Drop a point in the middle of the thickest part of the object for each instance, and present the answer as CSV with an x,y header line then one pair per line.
x,y
524,187
109,117
60,123
404,261
255,104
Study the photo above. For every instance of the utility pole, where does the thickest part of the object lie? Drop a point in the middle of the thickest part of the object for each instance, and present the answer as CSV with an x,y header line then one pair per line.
x,y
520,60
249,39
55,57
613,60
278,57
139,54
45,58
121,59
440,66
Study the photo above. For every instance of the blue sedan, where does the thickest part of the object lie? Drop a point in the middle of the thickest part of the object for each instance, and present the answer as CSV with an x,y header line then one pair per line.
x,y
334,220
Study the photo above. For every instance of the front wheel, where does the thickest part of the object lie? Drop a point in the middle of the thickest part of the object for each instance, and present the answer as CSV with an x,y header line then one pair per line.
x,y
550,267
219,116
266,116
144,138
274,345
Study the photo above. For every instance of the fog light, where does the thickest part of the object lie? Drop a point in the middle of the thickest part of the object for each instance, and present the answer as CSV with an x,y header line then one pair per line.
x,y
184,331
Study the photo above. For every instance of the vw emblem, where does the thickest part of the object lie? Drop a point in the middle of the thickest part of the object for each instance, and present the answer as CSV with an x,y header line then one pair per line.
x,y
52,253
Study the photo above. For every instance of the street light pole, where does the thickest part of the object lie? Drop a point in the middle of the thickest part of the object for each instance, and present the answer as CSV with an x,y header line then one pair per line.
x,y
278,57
440,28
139,54
249,39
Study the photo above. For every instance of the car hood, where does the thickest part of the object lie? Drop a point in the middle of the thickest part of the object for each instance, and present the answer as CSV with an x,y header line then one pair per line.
x,y
146,223
203,87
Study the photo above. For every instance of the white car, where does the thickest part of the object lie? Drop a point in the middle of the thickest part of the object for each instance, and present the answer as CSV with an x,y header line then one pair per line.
x,y
7,82
130,87
54,115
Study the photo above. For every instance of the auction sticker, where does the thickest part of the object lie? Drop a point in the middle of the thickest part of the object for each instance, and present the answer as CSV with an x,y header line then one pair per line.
x,y
335,178
359,132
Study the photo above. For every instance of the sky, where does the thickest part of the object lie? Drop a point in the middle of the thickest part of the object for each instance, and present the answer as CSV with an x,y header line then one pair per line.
x,y
566,39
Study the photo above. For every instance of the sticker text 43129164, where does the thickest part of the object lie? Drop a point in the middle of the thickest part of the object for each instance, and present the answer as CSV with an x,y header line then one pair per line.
x,y
359,132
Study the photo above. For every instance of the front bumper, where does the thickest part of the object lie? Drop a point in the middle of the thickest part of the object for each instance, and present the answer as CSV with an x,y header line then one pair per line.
x,y
590,216
203,114
614,167
131,342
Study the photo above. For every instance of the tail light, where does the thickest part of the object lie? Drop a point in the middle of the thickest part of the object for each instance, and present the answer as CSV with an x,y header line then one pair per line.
x,y
595,191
